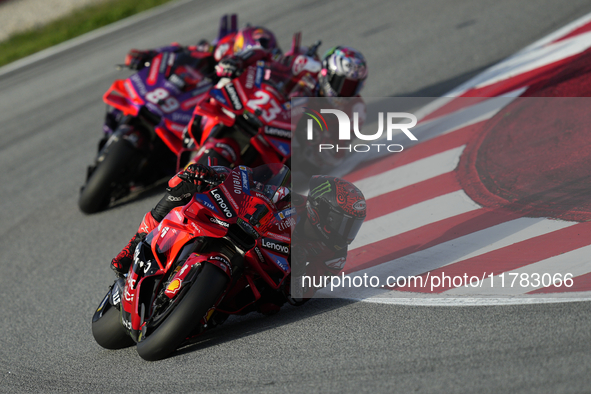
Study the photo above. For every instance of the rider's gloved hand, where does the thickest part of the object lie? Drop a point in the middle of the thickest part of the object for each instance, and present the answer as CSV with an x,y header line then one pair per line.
x,y
136,59
229,68
200,175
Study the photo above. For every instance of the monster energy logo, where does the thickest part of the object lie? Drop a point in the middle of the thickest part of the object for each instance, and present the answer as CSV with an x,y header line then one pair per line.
x,y
321,190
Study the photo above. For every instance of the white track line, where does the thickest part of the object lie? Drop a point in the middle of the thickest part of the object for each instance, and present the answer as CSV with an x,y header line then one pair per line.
x,y
383,297
413,217
575,262
468,246
409,174
534,59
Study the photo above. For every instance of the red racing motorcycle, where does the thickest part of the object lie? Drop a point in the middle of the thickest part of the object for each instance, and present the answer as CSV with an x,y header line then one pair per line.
x,y
226,252
146,116
246,120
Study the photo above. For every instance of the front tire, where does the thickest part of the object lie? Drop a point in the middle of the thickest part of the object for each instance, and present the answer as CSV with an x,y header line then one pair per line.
x,y
204,292
107,329
109,173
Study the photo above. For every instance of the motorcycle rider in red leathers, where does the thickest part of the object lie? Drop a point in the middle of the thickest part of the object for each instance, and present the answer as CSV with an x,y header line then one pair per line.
x,y
327,221
340,74
331,219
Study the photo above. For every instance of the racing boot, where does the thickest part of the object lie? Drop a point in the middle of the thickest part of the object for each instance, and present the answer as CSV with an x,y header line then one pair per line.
x,y
122,262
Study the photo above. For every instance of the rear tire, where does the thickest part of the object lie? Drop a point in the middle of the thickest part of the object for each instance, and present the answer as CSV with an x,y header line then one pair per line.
x,y
108,331
118,162
204,292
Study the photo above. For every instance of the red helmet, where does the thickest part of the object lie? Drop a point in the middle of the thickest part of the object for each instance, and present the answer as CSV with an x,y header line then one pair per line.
x,y
343,73
336,209
254,37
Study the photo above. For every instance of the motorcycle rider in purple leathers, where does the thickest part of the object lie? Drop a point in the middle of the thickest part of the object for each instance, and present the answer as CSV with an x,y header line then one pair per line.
x,y
327,221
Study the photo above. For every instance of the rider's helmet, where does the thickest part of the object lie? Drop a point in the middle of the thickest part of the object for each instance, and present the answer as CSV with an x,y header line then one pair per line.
x,y
343,72
254,37
336,209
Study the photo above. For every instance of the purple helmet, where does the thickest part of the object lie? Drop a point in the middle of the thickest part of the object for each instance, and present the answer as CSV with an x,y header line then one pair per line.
x,y
254,37
343,72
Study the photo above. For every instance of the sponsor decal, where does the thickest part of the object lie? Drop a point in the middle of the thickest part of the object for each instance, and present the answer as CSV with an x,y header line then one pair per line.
x,y
130,91
139,84
286,213
280,194
179,117
164,231
147,267
260,73
174,286
236,182
177,81
277,132
259,254
262,197
126,323
276,246
281,262
285,224
175,126
245,184
280,237
250,78
283,147
217,94
240,92
225,263
178,216
222,203
190,103
202,87
154,108
116,297
197,229
248,228
206,202
165,61
229,197
218,221
321,190
154,71
130,283
129,286
236,103
136,255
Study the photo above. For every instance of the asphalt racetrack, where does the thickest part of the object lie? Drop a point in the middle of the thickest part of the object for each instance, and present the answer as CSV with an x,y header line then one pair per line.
x,y
54,260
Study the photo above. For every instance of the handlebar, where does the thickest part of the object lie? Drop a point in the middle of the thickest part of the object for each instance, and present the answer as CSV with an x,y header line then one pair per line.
x,y
312,50
204,181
